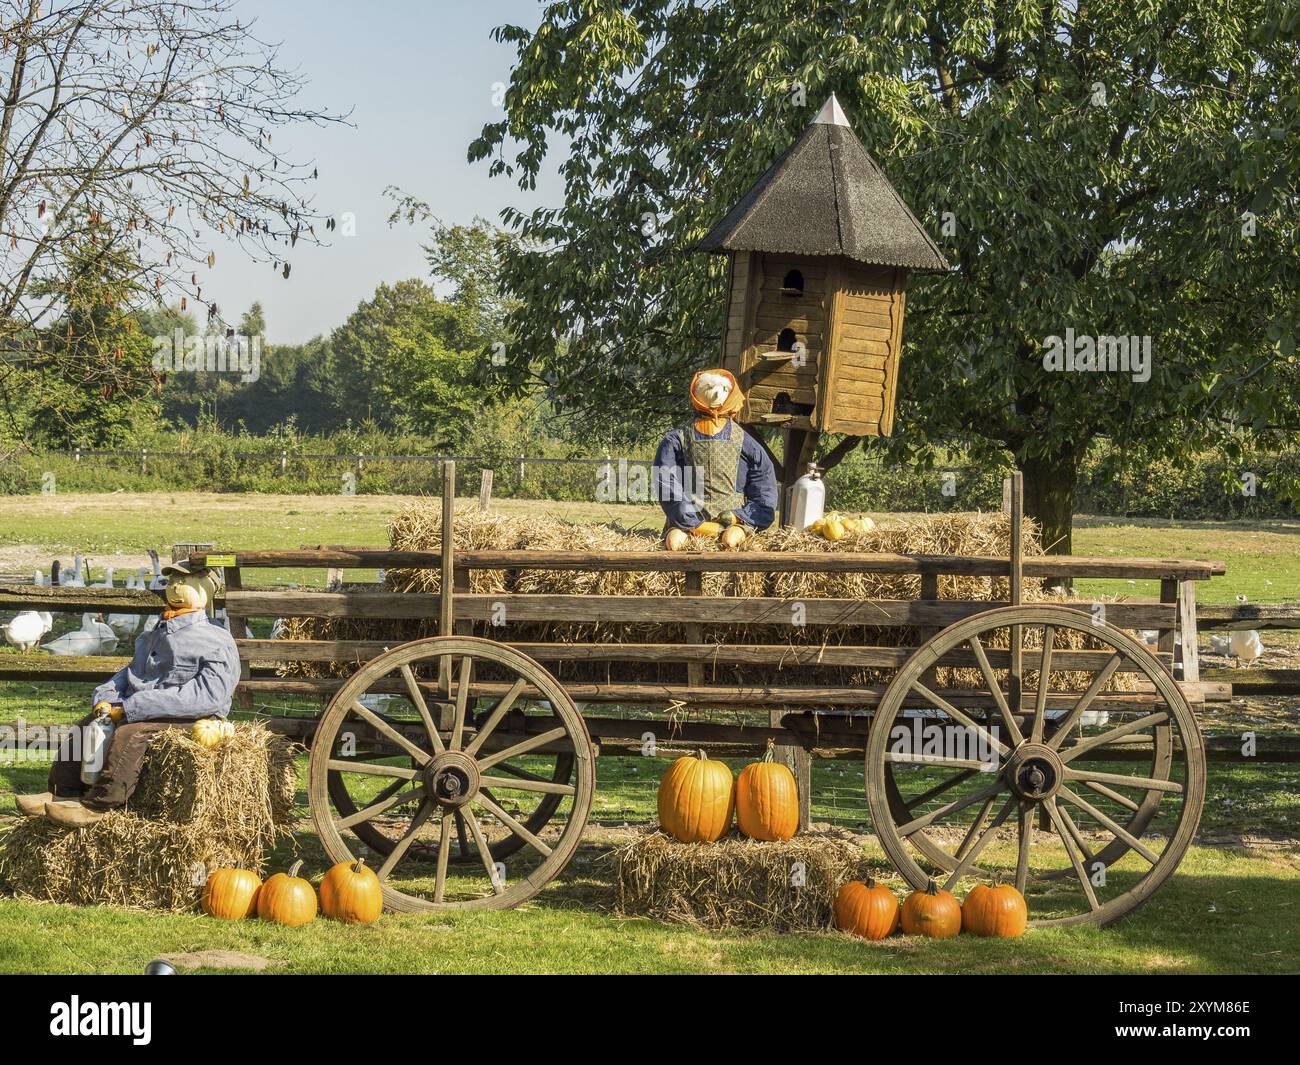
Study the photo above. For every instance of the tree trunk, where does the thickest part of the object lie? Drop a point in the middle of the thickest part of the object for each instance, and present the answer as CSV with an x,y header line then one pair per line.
x,y
1051,483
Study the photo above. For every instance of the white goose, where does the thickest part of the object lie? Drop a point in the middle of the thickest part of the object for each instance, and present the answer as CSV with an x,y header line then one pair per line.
x,y
126,625
159,582
1245,644
25,630
86,640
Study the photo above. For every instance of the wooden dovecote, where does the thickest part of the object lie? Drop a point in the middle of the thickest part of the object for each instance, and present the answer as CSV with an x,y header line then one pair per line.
x,y
820,250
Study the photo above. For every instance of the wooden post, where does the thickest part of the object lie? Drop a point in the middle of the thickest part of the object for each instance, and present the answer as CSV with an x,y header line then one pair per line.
x,y
1016,489
485,490
1187,631
1166,638
799,762
234,582
446,604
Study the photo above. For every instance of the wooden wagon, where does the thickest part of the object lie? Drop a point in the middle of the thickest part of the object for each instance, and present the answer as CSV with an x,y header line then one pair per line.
x,y
465,770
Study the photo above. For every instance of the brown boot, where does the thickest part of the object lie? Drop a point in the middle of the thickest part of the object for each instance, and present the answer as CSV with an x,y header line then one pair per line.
x,y
72,814
33,805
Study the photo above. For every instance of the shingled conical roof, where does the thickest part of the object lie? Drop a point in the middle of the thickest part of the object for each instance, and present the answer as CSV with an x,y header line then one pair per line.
x,y
826,196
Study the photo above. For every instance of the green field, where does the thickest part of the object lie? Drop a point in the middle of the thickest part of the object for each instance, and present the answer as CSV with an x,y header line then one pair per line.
x,y
1230,908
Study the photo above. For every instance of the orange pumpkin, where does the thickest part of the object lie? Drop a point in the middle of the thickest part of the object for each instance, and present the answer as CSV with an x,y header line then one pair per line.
x,y
350,892
696,799
767,800
868,910
231,893
999,910
287,899
932,913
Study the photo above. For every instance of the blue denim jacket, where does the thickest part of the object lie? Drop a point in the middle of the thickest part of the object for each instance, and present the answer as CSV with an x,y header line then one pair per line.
x,y
185,668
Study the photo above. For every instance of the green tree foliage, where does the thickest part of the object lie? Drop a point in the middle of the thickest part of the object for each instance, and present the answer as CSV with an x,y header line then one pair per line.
x,y
403,360
86,377
1113,168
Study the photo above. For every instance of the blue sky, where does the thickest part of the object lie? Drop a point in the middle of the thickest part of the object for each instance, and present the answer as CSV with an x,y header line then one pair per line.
x,y
418,78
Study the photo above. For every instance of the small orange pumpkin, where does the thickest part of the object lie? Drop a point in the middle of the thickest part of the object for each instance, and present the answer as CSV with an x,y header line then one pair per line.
x,y
868,910
932,913
767,800
350,892
231,894
287,899
999,910
696,799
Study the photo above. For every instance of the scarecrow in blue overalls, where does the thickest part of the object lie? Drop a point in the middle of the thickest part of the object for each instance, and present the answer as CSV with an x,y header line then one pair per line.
x,y
184,669
712,478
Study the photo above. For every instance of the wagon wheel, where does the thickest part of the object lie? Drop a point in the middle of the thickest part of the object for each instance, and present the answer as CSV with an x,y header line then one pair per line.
x,y
423,793
974,817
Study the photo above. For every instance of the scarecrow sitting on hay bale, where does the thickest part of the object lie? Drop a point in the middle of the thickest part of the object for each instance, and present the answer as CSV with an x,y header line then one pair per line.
x,y
183,670
711,477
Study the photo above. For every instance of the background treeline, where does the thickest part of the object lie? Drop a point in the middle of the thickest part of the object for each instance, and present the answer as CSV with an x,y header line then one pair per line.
x,y
287,460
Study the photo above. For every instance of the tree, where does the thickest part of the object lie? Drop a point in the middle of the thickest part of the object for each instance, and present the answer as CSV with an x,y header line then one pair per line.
x,y
1095,168
469,259
148,124
89,380
404,360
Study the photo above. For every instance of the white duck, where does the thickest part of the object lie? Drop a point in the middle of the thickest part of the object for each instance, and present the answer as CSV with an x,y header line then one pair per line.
x,y
25,630
159,582
76,580
126,625
107,582
86,640
1245,644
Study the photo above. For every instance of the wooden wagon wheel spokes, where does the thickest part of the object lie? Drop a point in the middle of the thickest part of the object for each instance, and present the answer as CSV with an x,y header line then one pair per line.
x,y
1139,813
554,787
514,781
1083,778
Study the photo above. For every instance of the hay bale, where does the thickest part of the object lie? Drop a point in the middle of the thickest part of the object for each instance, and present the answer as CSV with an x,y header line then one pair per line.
x,y
245,786
196,809
735,882
419,528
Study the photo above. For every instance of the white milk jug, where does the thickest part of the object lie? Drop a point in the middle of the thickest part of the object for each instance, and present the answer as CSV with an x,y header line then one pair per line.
x,y
807,498
95,740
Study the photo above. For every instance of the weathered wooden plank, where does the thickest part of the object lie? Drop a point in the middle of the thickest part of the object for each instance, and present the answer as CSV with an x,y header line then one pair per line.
x,y
80,600
1248,616
653,609
740,561
1257,681
719,696
772,655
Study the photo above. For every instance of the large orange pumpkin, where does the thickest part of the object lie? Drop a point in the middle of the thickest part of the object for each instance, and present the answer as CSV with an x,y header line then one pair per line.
x,y
868,910
231,893
767,800
287,899
696,799
932,913
350,892
999,910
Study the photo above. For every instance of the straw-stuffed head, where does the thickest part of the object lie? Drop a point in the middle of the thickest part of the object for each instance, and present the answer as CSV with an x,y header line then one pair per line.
x,y
716,392
189,587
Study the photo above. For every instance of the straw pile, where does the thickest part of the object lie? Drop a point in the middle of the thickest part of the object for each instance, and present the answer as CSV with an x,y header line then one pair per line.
x,y
419,528
196,809
736,882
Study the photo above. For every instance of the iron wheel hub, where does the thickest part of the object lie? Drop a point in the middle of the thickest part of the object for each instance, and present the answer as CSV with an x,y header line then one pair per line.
x,y
452,779
1034,771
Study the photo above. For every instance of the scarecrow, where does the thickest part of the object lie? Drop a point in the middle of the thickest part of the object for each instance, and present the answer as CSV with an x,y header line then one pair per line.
x,y
711,477
184,669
